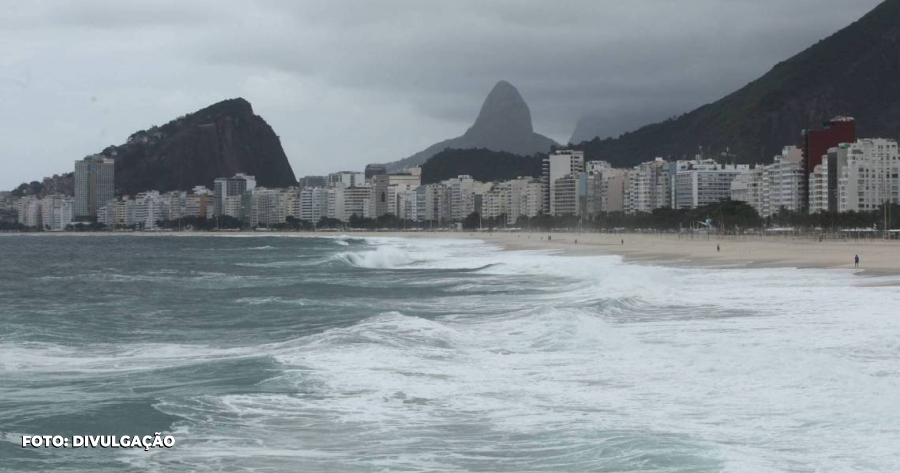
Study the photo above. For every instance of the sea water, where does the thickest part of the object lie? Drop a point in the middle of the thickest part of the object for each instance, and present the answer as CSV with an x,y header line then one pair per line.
x,y
425,354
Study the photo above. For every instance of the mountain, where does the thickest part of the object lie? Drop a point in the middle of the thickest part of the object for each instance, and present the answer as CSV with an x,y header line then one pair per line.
x,y
218,141
504,124
482,164
855,72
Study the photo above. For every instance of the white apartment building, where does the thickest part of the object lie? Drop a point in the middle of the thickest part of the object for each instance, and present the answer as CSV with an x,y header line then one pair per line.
x,y
359,201
648,187
57,212
146,210
265,207
752,187
313,204
407,204
462,197
174,205
29,211
557,165
870,177
525,198
433,203
704,182
495,202
818,188
786,181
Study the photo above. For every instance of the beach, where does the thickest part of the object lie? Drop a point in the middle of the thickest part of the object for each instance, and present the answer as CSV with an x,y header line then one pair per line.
x,y
878,257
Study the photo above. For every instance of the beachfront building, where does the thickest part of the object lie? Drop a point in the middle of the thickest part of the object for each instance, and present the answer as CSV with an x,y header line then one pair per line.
x,y
557,165
199,203
228,194
704,182
786,181
263,207
313,204
95,184
433,203
567,193
818,188
870,177
648,187
462,197
359,201
28,209
146,211
752,187
57,212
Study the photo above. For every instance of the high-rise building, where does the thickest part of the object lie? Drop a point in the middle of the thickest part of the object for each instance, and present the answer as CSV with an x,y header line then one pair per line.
x,y
751,186
557,165
346,179
57,212
229,191
648,187
373,170
462,197
870,177
786,181
816,144
567,192
29,210
605,191
359,201
704,182
95,184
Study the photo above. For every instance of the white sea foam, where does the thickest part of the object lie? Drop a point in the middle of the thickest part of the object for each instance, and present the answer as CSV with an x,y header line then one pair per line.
x,y
744,361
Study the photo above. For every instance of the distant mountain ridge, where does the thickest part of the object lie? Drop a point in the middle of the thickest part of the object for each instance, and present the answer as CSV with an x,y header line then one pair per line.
x,y
854,72
218,141
503,124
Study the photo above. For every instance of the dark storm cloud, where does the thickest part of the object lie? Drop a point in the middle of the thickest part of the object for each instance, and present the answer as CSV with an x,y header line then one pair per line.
x,y
376,80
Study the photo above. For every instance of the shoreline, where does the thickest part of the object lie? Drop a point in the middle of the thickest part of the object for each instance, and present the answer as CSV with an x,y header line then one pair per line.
x,y
877,257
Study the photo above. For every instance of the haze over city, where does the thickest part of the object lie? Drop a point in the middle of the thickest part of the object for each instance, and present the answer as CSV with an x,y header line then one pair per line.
x,y
373,82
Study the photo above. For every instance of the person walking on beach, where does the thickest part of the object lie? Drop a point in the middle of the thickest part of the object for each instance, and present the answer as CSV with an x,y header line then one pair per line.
x,y
717,248
856,261
623,241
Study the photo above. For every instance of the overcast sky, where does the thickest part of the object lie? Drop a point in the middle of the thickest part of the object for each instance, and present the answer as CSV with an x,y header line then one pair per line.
x,y
348,82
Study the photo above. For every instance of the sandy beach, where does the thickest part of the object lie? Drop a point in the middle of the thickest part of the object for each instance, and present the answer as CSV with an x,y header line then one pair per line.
x,y
877,257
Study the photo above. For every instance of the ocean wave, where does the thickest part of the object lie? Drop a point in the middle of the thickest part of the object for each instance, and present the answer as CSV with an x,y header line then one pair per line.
x,y
382,257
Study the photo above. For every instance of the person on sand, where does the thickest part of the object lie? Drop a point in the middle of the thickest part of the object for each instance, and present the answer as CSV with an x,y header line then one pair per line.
x,y
856,261
623,241
549,237
717,248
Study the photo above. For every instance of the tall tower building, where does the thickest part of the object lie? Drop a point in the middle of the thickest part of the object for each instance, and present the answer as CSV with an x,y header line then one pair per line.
x,y
816,144
95,184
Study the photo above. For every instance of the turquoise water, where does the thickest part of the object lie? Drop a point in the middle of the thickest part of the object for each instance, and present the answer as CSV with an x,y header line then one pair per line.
x,y
345,354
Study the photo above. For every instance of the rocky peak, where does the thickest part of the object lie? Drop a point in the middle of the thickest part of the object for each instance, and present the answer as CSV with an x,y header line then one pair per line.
x,y
504,112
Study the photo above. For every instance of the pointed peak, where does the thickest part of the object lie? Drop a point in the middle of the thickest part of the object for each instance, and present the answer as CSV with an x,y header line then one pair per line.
x,y
504,111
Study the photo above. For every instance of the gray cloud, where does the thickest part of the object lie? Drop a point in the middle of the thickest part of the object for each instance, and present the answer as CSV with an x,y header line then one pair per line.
x,y
373,81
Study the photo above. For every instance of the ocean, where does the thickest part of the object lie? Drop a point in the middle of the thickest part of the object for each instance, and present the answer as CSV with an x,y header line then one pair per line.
x,y
343,354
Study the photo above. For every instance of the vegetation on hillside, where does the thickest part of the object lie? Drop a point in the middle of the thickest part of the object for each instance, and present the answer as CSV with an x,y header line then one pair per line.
x,y
482,164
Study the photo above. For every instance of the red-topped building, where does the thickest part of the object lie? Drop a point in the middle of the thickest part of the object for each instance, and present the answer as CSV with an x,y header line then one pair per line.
x,y
816,144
